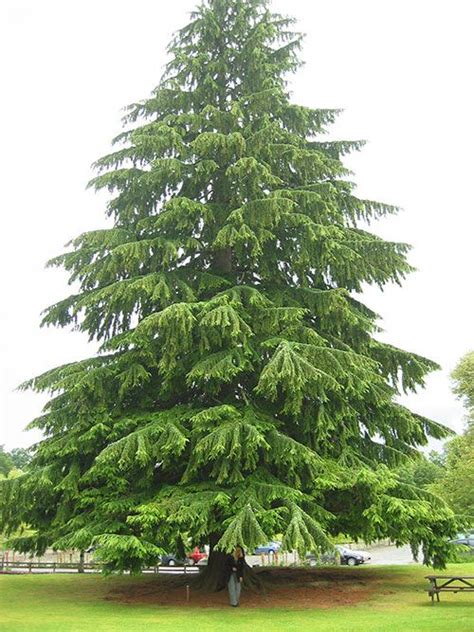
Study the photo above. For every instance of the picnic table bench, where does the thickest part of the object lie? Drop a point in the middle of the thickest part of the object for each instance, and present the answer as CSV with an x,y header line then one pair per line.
x,y
449,583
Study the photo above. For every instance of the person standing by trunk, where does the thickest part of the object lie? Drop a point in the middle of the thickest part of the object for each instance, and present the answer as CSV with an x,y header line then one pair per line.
x,y
234,573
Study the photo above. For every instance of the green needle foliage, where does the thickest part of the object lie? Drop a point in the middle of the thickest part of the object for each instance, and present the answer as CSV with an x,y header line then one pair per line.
x,y
239,391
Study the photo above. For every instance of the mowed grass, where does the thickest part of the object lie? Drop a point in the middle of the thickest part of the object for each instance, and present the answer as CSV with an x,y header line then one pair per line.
x,y
70,603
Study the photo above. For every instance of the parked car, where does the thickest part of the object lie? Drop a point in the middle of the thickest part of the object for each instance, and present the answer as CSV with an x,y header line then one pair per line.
x,y
203,561
197,555
466,539
268,549
341,555
171,559
322,559
351,557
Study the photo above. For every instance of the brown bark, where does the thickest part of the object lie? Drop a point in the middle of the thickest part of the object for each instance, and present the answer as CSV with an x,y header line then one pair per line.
x,y
211,577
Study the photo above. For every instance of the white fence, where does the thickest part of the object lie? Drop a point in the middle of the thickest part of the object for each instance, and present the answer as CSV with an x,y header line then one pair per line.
x,y
7,566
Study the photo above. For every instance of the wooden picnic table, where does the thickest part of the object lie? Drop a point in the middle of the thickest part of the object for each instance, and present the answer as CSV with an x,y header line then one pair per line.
x,y
449,583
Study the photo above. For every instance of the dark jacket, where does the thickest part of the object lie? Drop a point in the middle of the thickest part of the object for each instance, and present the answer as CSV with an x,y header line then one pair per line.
x,y
230,564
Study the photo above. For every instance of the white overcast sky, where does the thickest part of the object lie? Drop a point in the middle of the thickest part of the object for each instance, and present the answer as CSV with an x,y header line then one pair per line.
x,y
401,69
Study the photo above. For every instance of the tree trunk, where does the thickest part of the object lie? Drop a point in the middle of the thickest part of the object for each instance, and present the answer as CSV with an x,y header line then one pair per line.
x,y
212,579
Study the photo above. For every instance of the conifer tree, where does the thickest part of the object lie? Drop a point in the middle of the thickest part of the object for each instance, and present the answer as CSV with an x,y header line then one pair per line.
x,y
240,390
463,384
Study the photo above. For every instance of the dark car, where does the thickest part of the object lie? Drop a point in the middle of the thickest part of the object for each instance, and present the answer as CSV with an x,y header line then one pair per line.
x,y
321,560
171,559
351,557
467,540
341,555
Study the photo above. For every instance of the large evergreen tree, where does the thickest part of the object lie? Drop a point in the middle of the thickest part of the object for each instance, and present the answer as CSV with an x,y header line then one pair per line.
x,y
239,391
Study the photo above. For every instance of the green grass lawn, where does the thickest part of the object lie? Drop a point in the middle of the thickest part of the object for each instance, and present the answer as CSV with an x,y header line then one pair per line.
x,y
70,603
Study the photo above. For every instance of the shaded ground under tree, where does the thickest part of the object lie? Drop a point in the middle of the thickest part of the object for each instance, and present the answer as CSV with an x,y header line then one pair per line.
x,y
289,587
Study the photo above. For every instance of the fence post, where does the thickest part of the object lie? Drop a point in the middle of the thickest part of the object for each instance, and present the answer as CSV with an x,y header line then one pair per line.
x,y
80,568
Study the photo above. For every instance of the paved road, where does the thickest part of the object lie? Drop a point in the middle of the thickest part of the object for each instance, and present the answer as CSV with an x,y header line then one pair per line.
x,y
391,555
379,555
383,555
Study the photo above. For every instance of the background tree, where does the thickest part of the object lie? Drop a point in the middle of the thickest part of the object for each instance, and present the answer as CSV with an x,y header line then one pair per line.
x,y
463,378
6,461
424,471
18,458
239,390
456,485
11,464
